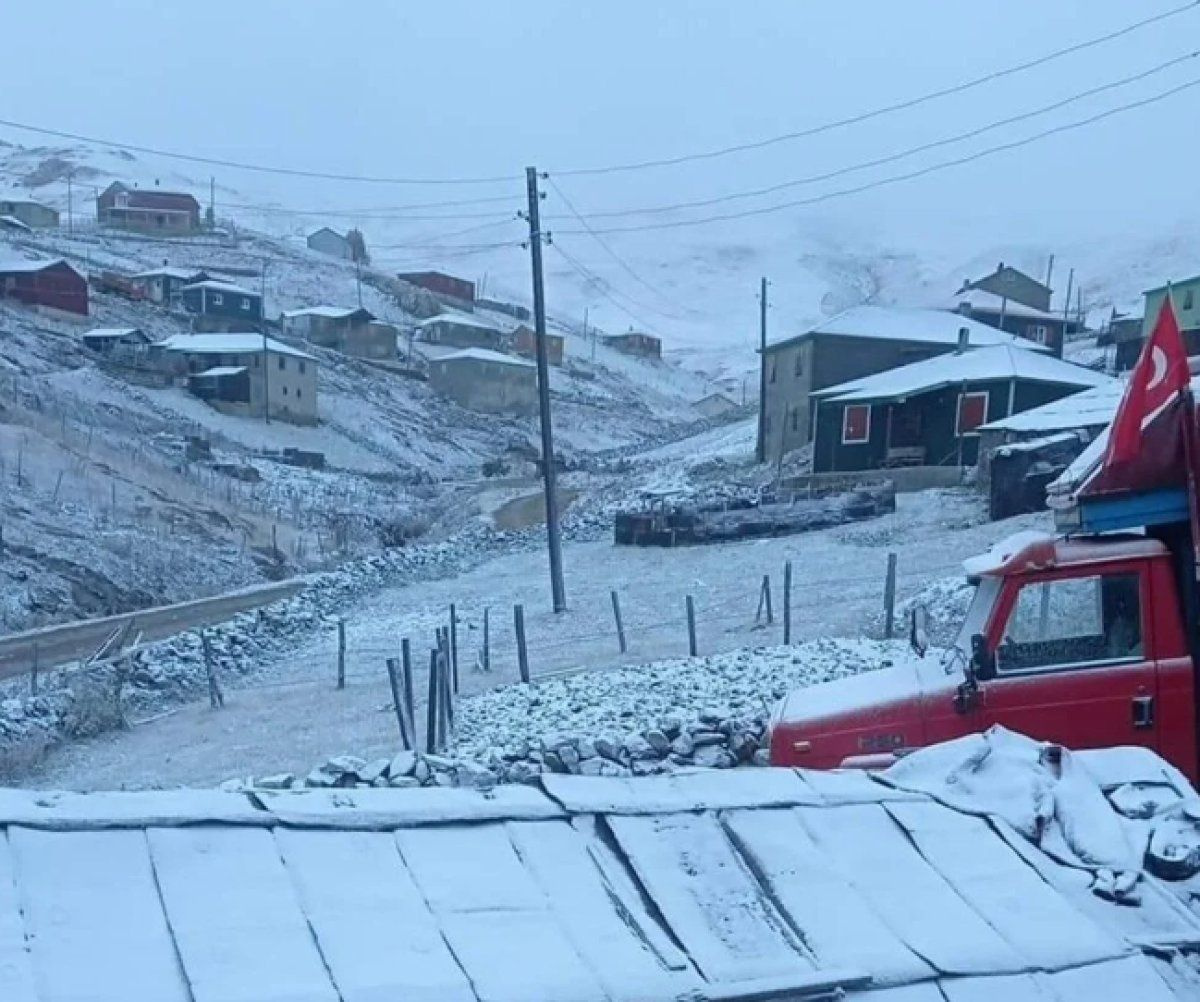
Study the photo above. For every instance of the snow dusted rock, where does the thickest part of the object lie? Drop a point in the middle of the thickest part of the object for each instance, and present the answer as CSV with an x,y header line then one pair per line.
x,y
374,770
475,775
279,781
683,746
608,748
569,756
422,773
658,741
587,749
320,779
402,764
403,782
637,748
714,757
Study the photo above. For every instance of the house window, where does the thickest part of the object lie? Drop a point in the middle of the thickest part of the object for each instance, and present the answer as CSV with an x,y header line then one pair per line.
x,y
856,424
282,363
301,364
972,412
1039,333
772,370
1188,302
256,361
299,394
800,362
285,391
218,299
245,303
795,419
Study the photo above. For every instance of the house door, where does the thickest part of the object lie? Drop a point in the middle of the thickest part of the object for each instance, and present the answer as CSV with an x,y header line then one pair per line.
x,y
905,427
1071,665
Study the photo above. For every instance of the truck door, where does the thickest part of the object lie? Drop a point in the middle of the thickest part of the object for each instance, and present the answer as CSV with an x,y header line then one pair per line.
x,y
1071,663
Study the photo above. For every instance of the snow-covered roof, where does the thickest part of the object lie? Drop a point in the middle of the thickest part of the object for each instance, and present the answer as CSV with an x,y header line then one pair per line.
x,y
16,198
238,343
461,319
220,370
1089,408
989,302
218,286
972,366
751,883
24,266
486,355
332,312
908,324
15,223
183,274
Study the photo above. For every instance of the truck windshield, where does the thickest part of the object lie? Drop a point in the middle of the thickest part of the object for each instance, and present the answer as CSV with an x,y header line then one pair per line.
x,y
986,593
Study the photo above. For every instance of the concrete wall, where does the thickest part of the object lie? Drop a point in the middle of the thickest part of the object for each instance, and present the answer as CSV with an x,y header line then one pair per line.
x,y
291,382
1186,299
907,479
332,244
491,387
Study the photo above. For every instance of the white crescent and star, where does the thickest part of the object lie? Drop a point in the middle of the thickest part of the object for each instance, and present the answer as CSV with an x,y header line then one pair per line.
x,y
1158,359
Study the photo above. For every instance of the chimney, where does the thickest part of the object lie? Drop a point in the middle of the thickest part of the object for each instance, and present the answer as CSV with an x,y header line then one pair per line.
x,y
964,339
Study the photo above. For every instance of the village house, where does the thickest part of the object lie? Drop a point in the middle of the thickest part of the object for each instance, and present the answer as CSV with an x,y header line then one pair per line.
x,y
221,306
457,330
110,340
51,283
350,330
147,210
244,373
32,214
1124,334
637,343
858,342
714,405
330,242
524,343
458,290
483,380
1185,297
164,285
1039,326
1012,284
929,413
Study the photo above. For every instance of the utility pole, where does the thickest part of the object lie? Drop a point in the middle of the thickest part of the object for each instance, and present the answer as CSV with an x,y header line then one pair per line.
x,y
762,372
554,543
1049,270
262,318
212,202
1067,301
70,207
358,277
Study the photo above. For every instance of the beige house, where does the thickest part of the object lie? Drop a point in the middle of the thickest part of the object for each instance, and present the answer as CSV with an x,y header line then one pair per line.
x,y
350,330
484,380
245,374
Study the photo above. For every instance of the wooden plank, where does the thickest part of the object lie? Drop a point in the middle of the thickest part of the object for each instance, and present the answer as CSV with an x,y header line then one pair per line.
x,y
708,897
495,917
62,811
706,789
615,946
373,927
238,926
1132,978
16,965
94,917
1026,911
381,810
875,856
835,921
852,786
1006,988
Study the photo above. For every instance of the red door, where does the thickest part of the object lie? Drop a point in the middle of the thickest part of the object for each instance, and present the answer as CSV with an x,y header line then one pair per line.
x,y
1071,663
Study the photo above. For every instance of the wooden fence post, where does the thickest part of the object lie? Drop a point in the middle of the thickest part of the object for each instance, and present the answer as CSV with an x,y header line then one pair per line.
x,y
431,710
216,698
487,654
616,604
447,721
454,644
764,602
407,670
691,624
787,602
341,655
394,682
889,598
522,652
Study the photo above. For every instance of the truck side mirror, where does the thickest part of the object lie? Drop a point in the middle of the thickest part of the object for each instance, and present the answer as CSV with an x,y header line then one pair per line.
x,y
918,630
983,661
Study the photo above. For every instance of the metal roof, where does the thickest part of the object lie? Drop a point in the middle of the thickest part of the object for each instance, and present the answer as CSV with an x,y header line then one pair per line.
x,y
332,312
25,266
240,343
485,355
715,885
216,285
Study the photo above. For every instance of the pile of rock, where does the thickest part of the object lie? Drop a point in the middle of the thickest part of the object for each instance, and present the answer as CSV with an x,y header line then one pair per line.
x,y
713,741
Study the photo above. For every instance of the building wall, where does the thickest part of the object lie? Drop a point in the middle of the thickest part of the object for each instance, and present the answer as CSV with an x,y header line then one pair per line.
x,y
1013,284
58,286
1027,327
1185,297
524,343
246,307
461,335
492,387
30,213
802,367
373,340
326,242
643,345
441,284
291,383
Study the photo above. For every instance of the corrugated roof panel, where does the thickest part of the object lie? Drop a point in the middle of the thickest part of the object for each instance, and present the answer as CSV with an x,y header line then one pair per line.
x,y
373,927
706,789
247,942
876,856
708,897
1131,978
835,921
998,884
93,914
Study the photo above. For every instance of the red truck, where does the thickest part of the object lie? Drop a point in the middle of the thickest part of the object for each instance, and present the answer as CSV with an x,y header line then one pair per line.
x,y
1088,639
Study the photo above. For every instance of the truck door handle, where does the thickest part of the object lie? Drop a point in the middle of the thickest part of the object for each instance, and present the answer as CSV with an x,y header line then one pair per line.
x,y
1143,712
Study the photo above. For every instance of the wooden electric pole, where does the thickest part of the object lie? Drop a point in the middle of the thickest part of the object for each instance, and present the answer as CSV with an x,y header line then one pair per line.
x,y
554,543
762,373
70,207
262,319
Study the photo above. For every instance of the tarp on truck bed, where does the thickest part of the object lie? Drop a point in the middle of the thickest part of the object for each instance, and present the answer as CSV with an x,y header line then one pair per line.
x,y
708,885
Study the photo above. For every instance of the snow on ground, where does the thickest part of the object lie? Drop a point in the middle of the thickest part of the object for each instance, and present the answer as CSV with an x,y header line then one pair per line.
x,y
289,716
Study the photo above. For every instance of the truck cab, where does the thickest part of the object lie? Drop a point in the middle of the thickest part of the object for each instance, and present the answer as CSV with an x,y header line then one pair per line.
x,y
1075,640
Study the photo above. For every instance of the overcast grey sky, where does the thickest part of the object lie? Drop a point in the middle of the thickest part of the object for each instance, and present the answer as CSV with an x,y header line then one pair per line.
x,y
472,87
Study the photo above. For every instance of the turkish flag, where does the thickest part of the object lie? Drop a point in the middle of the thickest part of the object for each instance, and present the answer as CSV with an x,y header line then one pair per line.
x,y
1158,378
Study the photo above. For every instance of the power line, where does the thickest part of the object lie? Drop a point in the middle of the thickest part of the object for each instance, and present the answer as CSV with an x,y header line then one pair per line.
x,y
900,155
452,235
613,254
604,288
257,168
897,178
886,109
450,203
